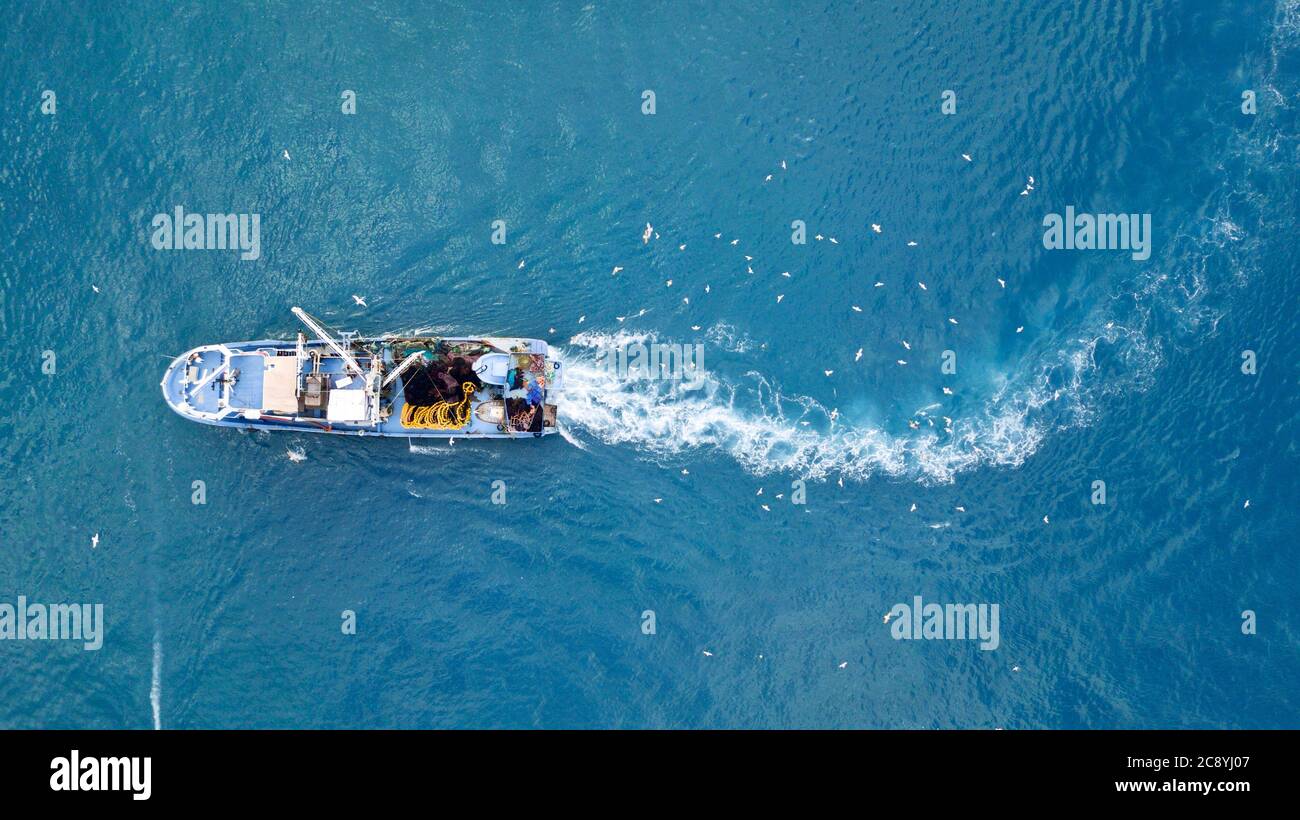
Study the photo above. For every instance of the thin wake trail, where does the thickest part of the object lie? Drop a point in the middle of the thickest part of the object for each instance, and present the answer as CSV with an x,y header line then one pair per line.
x,y
155,689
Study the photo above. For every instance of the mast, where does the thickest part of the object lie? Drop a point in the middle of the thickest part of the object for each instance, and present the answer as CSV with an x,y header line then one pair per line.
x,y
324,336
401,368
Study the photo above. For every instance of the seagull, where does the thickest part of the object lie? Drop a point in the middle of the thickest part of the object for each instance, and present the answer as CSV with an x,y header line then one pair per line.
x,y
952,320
856,309
911,244
760,491
888,615
582,318
783,165
735,242
947,391
857,355
1020,329
966,157
901,362
846,663
669,283
95,288
880,284
94,541
913,507
695,327
617,268
659,501
922,284
359,300
620,319
552,331
286,153
706,288
906,345
521,264
685,471
1045,521
834,241
645,235
717,236
681,247
828,372
1002,282
875,227
765,507
768,178
708,654
779,297
686,300
819,237
1246,506
959,509
786,274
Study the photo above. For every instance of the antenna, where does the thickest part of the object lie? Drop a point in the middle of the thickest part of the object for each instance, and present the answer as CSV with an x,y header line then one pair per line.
x,y
324,336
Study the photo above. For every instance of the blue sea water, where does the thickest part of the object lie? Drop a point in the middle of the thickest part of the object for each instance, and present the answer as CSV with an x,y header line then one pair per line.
x,y
766,613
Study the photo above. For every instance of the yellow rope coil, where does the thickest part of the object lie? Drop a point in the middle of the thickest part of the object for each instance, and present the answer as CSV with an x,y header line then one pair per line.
x,y
441,416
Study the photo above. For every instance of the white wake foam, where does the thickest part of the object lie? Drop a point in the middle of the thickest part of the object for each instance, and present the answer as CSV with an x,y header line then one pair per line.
x,y
765,431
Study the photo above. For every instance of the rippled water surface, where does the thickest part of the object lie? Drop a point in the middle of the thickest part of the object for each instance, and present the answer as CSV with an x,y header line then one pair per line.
x,y
1072,366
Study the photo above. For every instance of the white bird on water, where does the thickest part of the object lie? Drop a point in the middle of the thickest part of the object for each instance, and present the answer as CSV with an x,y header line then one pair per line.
x,y
359,300
875,227
645,236
286,154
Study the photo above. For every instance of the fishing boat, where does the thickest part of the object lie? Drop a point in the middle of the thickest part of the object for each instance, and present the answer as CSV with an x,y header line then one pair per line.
x,y
414,386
